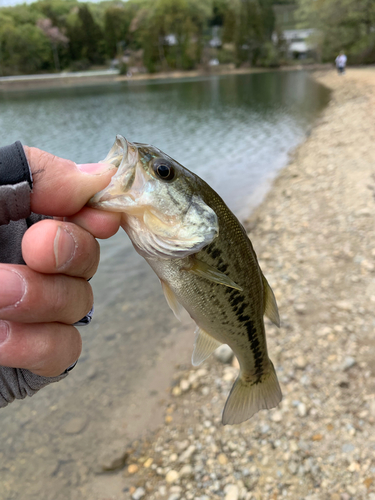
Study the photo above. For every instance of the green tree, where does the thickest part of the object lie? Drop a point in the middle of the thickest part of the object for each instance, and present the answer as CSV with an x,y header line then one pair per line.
x,y
341,25
85,36
24,48
117,19
171,32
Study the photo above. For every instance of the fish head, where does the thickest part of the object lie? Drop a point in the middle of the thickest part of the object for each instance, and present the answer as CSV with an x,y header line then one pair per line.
x,y
162,203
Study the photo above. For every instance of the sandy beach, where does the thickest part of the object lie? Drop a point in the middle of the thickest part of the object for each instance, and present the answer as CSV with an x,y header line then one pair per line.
x,y
314,235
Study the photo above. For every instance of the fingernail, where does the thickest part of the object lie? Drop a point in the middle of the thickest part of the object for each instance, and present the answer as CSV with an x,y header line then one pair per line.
x,y
4,331
64,247
94,168
12,288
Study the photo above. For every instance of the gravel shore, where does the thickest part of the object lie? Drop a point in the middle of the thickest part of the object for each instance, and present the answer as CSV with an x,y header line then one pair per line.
x,y
315,238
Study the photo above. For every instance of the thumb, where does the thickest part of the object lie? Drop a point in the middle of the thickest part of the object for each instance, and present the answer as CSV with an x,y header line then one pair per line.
x,y
60,187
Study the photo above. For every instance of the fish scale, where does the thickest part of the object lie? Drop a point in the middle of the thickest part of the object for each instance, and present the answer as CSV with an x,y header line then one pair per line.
x,y
205,262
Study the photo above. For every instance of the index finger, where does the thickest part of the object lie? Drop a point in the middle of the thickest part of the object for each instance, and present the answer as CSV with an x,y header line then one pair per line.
x,y
60,187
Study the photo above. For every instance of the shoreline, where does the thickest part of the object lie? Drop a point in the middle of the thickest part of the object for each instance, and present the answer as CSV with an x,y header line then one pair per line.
x,y
93,78
314,235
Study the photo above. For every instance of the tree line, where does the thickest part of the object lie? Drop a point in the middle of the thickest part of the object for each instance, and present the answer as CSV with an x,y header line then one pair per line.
x,y
159,35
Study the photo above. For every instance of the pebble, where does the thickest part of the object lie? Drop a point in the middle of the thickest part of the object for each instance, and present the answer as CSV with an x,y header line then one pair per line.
x,y
186,471
222,459
172,476
224,354
349,362
75,425
231,492
174,496
113,461
133,468
138,494
277,416
302,410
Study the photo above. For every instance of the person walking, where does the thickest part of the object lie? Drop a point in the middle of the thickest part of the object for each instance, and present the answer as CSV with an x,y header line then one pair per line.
x,y
341,63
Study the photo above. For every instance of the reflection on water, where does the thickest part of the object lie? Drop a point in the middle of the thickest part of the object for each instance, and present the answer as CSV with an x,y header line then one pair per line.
x,y
235,132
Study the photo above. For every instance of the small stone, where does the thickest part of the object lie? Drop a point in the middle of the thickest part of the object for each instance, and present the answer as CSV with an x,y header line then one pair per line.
x,y
138,494
75,425
172,476
148,463
205,390
174,496
317,437
344,305
348,363
185,456
173,457
184,385
293,467
354,467
302,410
186,471
300,362
176,391
222,459
231,492
300,308
348,448
224,354
114,461
133,468
368,482
277,416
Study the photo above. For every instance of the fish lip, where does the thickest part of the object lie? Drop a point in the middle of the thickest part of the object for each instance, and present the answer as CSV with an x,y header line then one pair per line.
x,y
124,156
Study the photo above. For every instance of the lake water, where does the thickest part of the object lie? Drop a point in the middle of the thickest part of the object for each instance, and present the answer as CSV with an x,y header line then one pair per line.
x,y
235,131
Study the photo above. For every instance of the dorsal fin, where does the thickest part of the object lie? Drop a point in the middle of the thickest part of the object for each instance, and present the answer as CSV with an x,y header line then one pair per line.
x,y
270,305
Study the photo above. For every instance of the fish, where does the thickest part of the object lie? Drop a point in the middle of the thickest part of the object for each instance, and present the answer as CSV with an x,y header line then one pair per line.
x,y
205,262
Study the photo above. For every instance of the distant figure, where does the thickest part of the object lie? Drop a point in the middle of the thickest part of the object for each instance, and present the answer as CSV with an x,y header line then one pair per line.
x,y
341,63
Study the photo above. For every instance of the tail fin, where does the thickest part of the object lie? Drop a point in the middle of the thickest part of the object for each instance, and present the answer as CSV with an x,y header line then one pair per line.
x,y
245,399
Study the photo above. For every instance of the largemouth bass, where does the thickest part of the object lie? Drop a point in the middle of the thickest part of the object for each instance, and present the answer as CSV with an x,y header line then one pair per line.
x,y
205,262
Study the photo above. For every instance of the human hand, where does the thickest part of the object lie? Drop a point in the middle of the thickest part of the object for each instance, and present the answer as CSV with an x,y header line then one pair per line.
x,y
40,301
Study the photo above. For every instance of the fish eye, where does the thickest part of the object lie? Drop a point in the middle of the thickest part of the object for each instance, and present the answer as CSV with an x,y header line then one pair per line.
x,y
164,170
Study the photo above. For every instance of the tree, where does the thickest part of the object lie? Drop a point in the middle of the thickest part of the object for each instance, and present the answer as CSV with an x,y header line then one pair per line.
x,y
85,35
55,37
117,19
24,48
341,25
171,32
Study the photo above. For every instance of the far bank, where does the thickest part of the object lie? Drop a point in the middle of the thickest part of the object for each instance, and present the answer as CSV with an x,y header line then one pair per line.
x,y
93,78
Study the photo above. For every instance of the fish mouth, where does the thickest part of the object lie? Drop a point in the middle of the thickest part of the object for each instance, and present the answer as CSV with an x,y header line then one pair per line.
x,y
120,192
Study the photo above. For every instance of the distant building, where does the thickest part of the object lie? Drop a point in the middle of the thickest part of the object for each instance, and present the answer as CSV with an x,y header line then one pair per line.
x,y
297,41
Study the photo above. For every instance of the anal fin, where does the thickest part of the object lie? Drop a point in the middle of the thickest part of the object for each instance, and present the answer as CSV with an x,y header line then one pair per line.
x,y
204,346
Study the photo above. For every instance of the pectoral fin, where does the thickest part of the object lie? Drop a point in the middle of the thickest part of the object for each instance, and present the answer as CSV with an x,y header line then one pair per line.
x,y
270,305
204,346
173,303
210,273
